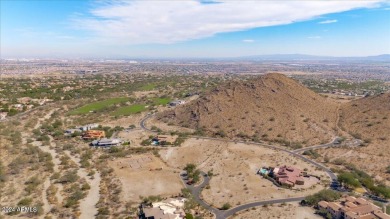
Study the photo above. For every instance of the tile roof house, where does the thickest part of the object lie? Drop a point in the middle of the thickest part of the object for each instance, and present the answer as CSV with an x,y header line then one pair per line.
x,y
93,134
288,176
353,208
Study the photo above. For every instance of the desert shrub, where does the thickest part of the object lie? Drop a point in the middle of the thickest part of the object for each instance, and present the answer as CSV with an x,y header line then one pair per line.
x,y
348,179
74,198
338,161
150,199
32,183
189,216
226,206
324,213
312,154
25,201
186,193
323,195
68,177
55,175
190,167
3,175
199,132
103,211
220,133
357,135
146,142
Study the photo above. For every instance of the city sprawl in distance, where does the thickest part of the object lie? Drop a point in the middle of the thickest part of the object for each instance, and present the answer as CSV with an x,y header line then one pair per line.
x,y
195,109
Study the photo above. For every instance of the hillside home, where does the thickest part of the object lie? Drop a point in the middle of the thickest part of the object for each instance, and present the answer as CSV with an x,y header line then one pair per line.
x,y
288,176
88,127
71,131
18,106
164,139
167,209
3,115
177,102
94,134
350,207
106,142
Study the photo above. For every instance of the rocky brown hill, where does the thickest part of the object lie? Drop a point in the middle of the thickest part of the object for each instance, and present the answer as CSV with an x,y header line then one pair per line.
x,y
368,119
271,107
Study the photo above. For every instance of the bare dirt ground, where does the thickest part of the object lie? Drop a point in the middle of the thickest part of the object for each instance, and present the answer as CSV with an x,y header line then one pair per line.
x,y
134,136
124,121
87,205
141,175
56,161
166,127
340,98
139,94
280,211
234,166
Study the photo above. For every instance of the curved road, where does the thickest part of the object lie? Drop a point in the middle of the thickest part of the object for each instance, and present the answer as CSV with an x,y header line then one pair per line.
x,y
330,144
221,214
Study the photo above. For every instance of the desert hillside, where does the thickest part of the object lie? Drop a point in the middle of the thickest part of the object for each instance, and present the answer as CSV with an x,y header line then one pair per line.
x,y
271,107
369,119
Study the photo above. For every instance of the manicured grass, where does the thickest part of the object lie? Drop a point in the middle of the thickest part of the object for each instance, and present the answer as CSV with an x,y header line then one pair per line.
x,y
161,101
148,87
98,105
128,110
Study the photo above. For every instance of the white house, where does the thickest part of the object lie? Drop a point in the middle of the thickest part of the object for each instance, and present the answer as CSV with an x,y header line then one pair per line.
x,y
88,127
106,142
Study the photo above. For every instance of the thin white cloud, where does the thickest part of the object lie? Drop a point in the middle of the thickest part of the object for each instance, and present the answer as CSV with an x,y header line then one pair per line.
x,y
248,41
139,22
314,37
328,21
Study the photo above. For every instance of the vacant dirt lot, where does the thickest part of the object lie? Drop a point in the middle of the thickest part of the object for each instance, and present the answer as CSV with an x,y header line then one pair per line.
x,y
164,126
125,121
287,211
234,167
141,175
134,136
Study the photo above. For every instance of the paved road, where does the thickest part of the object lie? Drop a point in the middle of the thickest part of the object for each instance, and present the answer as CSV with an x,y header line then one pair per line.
x,y
330,144
222,214
230,212
142,123
197,190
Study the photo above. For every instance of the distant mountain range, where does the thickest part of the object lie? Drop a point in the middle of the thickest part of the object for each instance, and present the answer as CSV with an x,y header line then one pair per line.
x,y
303,57
275,57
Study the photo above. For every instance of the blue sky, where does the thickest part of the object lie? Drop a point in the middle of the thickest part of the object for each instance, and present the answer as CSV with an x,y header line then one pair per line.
x,y
190,28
